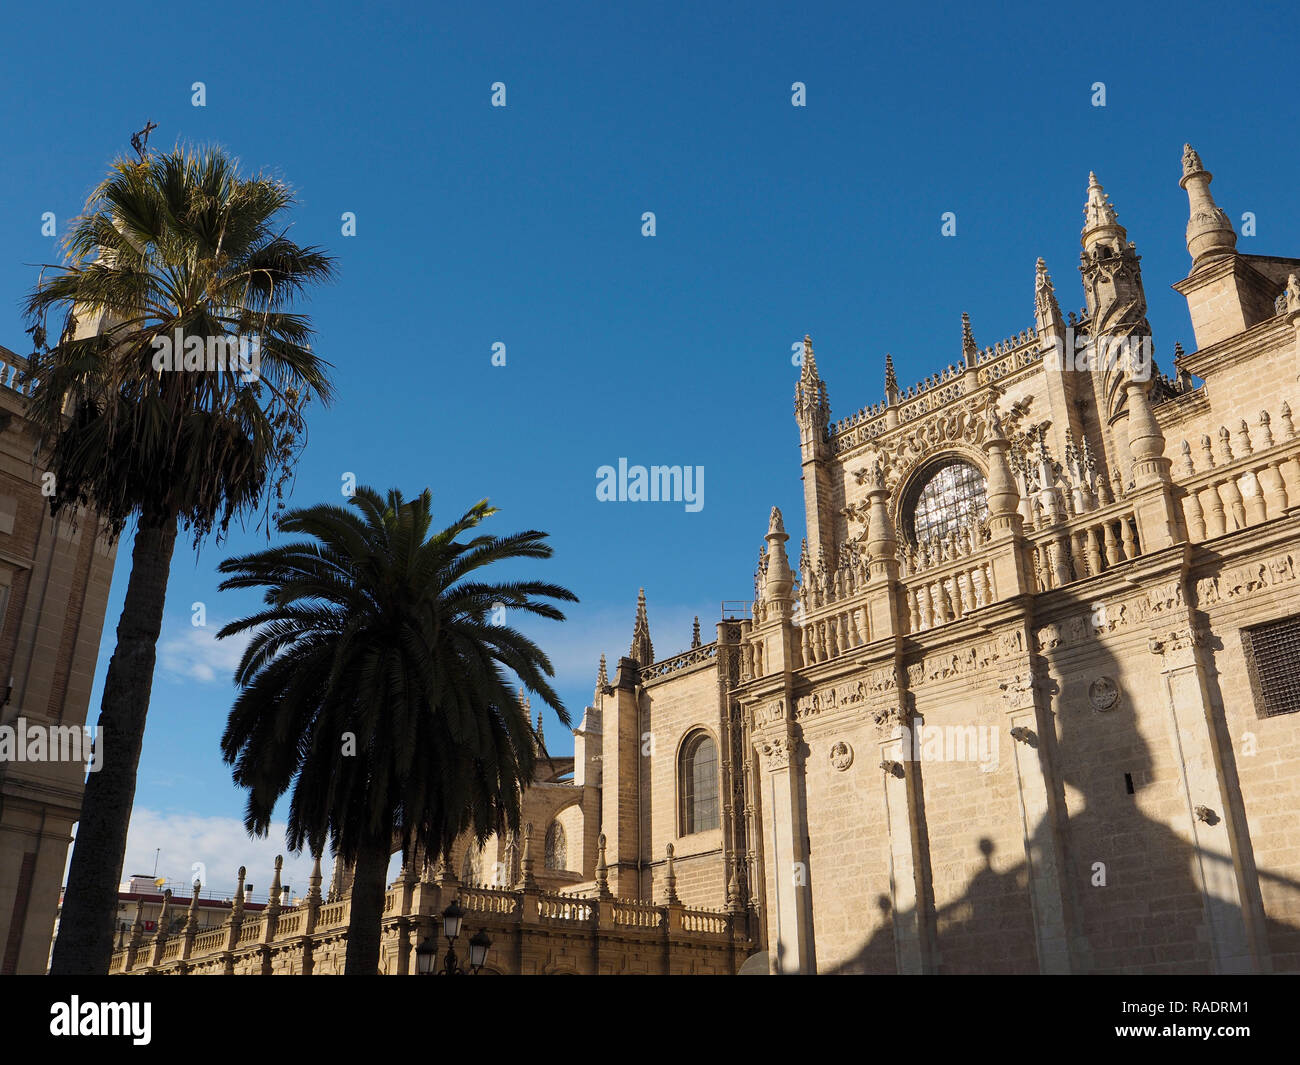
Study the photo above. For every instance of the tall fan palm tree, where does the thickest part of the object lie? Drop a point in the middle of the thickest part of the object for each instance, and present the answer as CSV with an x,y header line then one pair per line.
x,y
376,686
175,258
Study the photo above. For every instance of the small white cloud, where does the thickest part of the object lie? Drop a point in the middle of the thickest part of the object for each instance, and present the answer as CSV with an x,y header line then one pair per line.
x,y
211,848
190,653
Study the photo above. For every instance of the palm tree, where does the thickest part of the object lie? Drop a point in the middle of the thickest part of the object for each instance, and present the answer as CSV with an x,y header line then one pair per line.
x,y
377,686
178,249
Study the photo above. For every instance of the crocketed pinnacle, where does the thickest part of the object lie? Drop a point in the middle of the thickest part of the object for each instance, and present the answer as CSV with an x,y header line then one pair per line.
x,y
642,652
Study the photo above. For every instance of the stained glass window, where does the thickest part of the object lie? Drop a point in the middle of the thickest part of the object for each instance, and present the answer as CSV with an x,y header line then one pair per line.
x,y
557,847
951,498
699,784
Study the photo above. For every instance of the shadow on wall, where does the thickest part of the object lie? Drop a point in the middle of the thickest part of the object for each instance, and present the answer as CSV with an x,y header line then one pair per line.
x,y
1129,885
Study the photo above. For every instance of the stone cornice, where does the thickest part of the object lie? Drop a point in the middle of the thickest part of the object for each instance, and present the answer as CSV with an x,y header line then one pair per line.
x,y
1261,339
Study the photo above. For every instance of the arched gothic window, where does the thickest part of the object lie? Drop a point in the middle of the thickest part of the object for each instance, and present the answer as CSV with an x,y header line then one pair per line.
x,y
557,847
950,498
698,777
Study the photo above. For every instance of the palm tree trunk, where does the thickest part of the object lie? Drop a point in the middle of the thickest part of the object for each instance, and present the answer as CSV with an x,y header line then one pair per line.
x,y
368,891
85,943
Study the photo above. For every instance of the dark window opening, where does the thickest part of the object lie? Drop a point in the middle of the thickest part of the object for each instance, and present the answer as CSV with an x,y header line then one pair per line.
x,y
1273,664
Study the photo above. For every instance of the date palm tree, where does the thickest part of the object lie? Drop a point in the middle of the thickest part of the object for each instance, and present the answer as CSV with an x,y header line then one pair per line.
x,y
376,687
174,256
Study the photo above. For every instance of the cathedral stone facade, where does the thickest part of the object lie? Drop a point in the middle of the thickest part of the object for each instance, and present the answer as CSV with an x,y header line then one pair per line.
x,y
54,580
1030,703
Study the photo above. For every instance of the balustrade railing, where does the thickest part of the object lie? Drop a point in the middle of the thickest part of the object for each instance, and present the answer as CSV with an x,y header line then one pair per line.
x,y
694,656
554,907
209,942
1242,482
950,593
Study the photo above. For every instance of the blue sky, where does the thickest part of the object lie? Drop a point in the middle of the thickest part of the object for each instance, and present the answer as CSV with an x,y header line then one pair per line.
x,y
522,225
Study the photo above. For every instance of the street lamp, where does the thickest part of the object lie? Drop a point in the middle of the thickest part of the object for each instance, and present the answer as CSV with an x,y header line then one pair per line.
x,y
426,954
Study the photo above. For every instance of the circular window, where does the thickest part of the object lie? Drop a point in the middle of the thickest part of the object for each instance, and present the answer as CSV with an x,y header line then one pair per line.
x,y
950,498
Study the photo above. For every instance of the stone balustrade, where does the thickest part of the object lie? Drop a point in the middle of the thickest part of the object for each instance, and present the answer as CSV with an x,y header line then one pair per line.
x,y
705,653
1084,547
1239,478
519,922
948,593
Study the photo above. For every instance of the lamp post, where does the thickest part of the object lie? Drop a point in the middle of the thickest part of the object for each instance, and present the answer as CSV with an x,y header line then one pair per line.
x,y
426,954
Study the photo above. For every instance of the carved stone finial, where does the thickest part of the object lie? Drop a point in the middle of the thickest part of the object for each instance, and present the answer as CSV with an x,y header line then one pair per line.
x,y
1292,294
969,352
602,870
314,881
891,379
642,652
527,881
670,879
602,676
1210,235
695,633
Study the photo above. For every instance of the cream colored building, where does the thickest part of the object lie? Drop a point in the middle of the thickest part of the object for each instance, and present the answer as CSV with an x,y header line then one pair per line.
x,y
1030,704
54,579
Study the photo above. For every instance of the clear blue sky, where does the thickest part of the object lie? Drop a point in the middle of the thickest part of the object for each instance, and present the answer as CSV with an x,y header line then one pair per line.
x,y
523,225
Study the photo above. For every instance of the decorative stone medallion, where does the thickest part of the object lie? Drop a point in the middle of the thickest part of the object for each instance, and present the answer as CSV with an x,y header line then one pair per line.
x,y
841,755
1103,693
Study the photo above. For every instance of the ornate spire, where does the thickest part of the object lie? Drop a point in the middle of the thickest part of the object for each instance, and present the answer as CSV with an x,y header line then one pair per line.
x,y
891,380
1210,235
1047,312
695,632
541,740
809,370
642,652
602,676
968,349
1098,211
812,410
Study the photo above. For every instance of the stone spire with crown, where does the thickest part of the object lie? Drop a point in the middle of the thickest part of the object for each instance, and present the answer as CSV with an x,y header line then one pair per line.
x,y
695,632
1116,301
891,380
642,652
1210,235
602,676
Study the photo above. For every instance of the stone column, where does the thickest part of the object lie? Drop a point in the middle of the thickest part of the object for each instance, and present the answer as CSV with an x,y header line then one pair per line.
x,y
1030,731
789,904
1214,820
909,906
